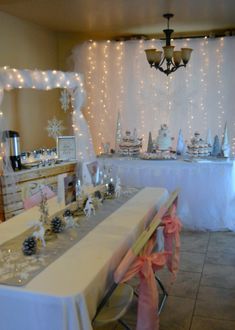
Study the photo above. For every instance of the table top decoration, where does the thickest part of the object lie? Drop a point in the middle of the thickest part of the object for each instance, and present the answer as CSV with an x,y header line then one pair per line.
x,y
225,147
212,177
24,256
198,147
130,144
158,155
64,296
161,147
180,147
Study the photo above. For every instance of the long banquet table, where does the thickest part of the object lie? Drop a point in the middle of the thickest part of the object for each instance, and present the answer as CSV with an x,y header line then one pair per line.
x,y
64,296
207,188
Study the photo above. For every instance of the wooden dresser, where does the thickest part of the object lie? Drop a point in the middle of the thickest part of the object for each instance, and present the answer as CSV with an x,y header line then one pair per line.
x,y
12,188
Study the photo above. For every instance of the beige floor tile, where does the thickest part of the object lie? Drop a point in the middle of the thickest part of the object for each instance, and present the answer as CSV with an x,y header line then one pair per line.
x,y
216,303
191,262
222,242
192,241
218,276
220,258
186,285
210,324
176,314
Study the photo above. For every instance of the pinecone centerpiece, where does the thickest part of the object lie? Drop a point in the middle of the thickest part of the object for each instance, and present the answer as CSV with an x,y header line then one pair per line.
x,y
29,246
57,225
111,189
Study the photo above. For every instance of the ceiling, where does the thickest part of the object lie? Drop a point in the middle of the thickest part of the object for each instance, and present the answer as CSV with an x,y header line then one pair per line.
x,y
116,18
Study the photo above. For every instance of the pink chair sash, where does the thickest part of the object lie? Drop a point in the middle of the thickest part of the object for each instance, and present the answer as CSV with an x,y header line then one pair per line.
x,y
171,232
145,265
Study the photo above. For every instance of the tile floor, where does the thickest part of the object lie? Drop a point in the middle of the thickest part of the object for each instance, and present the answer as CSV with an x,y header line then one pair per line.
x,y
203,295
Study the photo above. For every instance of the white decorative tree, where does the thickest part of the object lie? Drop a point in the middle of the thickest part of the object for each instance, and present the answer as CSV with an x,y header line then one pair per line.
x,y
208,137
180,144
118,137
209,140
225,146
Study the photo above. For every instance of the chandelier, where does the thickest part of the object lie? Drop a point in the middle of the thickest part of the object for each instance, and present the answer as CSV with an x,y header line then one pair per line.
x,y
172,59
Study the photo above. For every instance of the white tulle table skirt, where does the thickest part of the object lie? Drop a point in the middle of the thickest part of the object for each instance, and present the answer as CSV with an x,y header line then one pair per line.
x,y
207,189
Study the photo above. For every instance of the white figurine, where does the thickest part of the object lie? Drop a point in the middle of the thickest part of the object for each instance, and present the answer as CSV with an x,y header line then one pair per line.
x,y
118,188
69,221
89,207
40,233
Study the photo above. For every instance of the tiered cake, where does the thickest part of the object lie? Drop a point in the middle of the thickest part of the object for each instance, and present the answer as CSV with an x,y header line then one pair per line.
x,y
163,141
130,144
161,148
198,147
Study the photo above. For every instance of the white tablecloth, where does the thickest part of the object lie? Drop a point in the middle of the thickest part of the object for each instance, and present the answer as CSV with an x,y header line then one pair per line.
x,y
64,296
207,189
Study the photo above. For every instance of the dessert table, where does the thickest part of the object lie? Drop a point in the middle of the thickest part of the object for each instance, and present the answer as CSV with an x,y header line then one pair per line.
x,y
64,296
207,188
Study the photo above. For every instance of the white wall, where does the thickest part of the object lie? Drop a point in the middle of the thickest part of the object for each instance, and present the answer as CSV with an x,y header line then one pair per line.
x,y
24,45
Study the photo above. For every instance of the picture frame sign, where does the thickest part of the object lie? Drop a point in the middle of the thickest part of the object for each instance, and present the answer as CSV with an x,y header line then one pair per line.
x,y
66,148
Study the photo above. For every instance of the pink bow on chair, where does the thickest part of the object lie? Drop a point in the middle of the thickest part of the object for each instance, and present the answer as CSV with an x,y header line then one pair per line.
x,y
172,228
145,266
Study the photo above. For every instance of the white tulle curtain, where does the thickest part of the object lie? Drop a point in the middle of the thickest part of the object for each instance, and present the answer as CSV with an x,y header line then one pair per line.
x,y
119,79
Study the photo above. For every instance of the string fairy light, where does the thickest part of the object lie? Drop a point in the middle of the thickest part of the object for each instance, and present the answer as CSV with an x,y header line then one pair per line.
x,y
190,100
119,63
46,80
140,89
220,92
203,72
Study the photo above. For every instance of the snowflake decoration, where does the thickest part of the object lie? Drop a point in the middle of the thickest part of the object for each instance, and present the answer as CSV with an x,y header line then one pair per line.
x,y
64,99
54,128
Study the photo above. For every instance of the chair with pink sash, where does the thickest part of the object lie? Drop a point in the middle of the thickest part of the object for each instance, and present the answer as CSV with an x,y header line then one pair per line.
x,y
141,260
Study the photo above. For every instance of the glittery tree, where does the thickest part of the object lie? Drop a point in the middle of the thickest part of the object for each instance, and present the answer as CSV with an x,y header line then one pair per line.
x,y
118,137
150,143
216,146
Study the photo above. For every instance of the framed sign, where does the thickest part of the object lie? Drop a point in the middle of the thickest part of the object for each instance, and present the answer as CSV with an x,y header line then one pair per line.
x,y
66,147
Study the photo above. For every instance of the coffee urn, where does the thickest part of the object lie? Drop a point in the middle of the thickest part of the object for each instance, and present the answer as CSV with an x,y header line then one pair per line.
x,y
12,138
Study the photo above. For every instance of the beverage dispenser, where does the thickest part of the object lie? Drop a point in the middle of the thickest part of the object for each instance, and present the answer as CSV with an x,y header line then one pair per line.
x,y
12,138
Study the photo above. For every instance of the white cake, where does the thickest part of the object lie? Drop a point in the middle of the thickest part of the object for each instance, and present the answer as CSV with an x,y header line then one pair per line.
x,y
130,145
163,141
198,147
